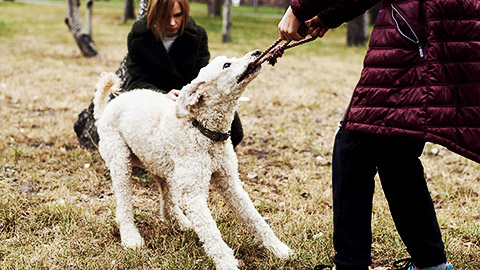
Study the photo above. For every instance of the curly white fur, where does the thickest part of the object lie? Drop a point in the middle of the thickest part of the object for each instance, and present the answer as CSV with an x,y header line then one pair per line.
x,y
144,128
110,84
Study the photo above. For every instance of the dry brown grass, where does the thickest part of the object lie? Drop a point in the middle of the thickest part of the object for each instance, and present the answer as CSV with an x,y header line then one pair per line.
x,y
56,202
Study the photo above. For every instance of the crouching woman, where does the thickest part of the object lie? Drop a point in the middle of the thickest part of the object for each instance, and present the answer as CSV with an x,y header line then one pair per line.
x,y
166,50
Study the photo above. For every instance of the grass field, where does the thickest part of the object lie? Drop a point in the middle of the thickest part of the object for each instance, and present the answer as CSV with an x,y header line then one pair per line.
x,y
56,201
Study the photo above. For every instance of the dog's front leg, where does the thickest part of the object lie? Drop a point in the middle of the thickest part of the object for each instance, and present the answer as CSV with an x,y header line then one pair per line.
x,y
231,189
171,209
191,188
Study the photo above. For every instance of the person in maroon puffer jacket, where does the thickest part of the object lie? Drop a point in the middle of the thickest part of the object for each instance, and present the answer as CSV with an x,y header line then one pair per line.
x,y
420,82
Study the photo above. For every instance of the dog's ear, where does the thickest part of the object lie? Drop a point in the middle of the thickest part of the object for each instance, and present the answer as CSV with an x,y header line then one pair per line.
x,y
191,94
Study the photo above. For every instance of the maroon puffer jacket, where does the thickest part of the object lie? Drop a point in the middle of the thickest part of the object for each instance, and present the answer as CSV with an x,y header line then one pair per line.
x,y
421,75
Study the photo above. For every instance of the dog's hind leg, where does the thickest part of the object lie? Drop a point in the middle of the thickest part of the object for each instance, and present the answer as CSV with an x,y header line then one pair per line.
x,y
229,186
171,209
191,187
116,155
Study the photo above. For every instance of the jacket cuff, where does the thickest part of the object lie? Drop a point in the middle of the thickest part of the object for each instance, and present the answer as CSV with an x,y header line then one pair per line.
x,y
344,11
305,9
331,18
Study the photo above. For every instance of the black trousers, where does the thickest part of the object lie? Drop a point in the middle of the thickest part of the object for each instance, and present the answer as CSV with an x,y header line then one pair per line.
x,y
357,157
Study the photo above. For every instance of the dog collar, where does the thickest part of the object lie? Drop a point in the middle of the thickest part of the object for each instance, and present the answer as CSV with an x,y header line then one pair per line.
x,y
215,136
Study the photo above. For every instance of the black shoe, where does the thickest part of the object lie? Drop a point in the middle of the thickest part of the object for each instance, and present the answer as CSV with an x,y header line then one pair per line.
x,y
407,264
403,264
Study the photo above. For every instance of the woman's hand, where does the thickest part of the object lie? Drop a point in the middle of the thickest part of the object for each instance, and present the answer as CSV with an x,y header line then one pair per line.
x,y
173,94
288,26
316,28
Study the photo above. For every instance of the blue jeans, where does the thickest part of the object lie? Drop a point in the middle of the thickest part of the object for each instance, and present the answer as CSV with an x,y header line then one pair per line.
x,y
357,157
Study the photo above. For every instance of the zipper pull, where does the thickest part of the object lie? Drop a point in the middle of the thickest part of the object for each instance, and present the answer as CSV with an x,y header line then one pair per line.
x,y
420,50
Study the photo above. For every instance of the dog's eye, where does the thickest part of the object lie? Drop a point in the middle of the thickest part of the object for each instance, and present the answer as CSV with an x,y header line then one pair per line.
x,y
226,65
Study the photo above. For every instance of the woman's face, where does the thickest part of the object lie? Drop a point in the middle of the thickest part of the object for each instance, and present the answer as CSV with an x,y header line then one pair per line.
x,y
175,19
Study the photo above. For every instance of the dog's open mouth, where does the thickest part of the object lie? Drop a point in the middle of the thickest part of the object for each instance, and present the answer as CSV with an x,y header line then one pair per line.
x,y
251,69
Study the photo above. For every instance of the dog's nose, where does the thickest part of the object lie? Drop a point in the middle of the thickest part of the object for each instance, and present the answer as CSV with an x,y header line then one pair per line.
x,y
256,53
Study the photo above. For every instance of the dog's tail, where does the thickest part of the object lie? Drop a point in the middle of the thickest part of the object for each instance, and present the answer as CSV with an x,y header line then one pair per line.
x,y
108,83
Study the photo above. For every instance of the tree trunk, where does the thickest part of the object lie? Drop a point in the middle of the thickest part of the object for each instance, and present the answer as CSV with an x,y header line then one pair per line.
x,y
128,11
227,22
74,22
85,125
285,4
214,8
373,13
255,4
357,31
122,69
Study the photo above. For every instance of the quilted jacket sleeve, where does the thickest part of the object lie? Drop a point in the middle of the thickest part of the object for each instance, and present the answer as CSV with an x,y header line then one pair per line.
x,y
331,12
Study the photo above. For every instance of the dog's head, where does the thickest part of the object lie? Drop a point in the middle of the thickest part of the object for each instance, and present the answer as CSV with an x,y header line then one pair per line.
x,y
221,82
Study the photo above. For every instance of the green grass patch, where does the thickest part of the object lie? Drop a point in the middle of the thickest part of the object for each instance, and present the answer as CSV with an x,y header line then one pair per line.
x,y
4,29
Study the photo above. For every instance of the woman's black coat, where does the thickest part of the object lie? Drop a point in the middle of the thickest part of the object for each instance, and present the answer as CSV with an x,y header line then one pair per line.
x,y
150,66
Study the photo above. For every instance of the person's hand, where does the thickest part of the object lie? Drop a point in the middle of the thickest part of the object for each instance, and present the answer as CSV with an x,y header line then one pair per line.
x,y
288,26
316,28
173,94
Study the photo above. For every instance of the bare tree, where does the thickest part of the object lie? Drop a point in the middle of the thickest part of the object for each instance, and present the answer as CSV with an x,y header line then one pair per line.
x,y
85,125
357,31
82,36
373,13
128,11
214,8
255,4
227,22
122,69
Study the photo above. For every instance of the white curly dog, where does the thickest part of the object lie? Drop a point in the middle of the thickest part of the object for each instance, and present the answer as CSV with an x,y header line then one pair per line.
x,y
184,144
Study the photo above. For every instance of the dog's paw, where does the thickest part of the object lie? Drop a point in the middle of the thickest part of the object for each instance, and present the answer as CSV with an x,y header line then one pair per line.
x,y
281,250
183,223
228,265
131,238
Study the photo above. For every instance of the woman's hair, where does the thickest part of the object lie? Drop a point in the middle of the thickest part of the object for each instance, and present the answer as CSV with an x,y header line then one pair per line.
x,y
158,13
